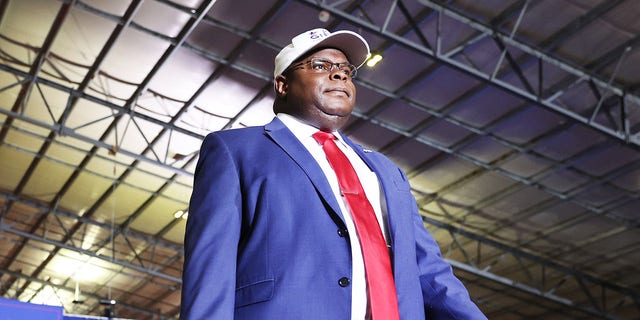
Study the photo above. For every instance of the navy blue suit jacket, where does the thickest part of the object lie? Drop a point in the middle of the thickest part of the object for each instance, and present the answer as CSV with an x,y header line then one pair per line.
x,y
262,238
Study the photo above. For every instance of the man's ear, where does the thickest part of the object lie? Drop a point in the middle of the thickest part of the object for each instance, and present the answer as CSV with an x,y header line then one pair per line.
x,y
280,85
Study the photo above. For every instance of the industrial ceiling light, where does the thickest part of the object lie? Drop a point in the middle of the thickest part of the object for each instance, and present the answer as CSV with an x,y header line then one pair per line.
x,y
181,214
374,59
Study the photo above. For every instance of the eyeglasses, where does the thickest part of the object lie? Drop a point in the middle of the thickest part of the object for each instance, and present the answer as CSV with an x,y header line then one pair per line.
x,y
324,65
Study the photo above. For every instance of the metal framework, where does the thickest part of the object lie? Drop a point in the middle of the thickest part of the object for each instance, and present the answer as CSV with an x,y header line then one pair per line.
x,y
602,88
610,115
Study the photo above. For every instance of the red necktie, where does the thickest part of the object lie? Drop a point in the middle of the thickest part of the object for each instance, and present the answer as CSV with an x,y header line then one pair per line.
x,y
383,301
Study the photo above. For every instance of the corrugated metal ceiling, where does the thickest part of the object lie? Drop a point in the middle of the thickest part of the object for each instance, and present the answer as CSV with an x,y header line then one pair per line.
x,y
518,123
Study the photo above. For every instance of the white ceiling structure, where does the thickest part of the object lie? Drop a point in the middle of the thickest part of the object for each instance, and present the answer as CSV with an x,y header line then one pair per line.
x,y
517,122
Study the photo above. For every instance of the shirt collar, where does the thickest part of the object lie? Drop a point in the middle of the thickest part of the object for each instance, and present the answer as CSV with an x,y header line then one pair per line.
x,y
300,129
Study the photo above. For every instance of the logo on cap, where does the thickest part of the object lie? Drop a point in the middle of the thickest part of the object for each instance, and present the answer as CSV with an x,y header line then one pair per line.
x,y
318,34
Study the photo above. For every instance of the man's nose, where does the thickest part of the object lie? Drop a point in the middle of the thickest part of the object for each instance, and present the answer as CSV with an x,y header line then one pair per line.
x,y
338,74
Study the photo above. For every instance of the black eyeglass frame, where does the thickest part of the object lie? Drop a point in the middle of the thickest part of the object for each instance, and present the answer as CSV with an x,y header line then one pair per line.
x,y
327,66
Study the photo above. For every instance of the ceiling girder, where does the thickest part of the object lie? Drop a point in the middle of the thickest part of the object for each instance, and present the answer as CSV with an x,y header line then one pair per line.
x,y
533,262
93,173
444,115
551,43
488,31
582,74
533,291
468,267
490,167
262,76
387,35
141,88
124,21
27,87
215,75
19,104
480,239
392,95
63,245
45,210
189,26
69,132
601,314
74,92
405,87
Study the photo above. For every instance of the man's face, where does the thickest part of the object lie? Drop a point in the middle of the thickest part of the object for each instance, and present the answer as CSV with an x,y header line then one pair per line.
x,y
322,99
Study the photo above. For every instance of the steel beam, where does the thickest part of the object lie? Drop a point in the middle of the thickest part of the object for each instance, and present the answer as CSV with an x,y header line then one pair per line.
x,y
533,291
60,245
97,143
627,138
632,294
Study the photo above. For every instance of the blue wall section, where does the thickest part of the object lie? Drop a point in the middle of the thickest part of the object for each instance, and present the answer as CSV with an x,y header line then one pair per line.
x,y
16,310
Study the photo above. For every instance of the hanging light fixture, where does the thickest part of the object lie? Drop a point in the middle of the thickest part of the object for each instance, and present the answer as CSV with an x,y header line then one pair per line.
x,y
374,59
181,214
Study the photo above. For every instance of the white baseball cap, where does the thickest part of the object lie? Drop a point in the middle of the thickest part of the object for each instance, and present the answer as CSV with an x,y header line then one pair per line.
x,y
350,43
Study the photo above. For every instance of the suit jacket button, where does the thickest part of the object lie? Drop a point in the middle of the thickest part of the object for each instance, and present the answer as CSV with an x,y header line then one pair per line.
x,y
344,281
342,232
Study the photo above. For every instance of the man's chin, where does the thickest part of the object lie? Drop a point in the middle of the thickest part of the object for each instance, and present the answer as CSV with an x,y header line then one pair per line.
x,y
337,112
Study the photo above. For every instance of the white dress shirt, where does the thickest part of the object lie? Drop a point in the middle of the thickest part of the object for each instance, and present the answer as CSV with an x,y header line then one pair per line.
x,y
372,189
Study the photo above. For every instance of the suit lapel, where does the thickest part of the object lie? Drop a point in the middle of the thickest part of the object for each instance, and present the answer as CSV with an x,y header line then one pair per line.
x,y
383,179
284,138
363,153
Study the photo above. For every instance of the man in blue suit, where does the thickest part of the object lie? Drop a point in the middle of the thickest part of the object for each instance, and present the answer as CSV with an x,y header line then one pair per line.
x,y
270,234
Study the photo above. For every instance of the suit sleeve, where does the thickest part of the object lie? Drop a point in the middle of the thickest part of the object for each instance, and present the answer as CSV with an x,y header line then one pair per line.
x,y
212,235
445,297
